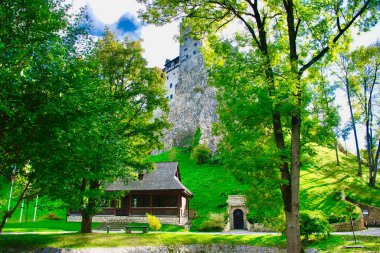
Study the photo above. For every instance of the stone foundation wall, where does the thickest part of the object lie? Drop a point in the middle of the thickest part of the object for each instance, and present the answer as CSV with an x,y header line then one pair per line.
x,y
346,226
211,248
172,220
373,217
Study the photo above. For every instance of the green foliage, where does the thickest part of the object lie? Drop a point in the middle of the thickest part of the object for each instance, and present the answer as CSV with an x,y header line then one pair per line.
x,y
213,222
313,222
153,222
196,138
201,154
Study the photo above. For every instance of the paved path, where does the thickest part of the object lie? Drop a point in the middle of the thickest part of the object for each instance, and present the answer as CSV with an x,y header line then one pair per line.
x,y
368,232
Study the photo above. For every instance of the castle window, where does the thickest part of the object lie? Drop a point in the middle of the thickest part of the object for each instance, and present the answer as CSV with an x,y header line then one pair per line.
x,y
171,96
194,52
171,85
185,39
185,49
167,77
196,43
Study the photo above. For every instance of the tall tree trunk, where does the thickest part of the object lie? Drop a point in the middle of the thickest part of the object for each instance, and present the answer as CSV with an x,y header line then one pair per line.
x,y
360,172
86,223
9,213
376,163
336,152
90,210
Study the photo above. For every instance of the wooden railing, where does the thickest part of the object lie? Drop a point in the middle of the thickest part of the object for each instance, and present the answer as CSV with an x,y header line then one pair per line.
x,y
167,211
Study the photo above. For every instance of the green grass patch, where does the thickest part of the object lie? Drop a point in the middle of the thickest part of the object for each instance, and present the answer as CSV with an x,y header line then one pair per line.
x,y
322,183
124,240
44,226
164,228
335,244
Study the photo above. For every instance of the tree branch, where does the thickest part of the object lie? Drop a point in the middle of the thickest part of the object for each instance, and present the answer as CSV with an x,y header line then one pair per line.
x,y
336,38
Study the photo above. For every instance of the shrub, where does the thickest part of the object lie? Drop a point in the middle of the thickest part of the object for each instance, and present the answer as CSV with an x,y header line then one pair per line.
x,y
214,222
51,216
153,222
196,138
201,154
313,222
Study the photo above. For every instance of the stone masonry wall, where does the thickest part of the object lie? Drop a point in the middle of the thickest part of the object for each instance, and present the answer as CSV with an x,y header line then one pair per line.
x,y
194,248
346,226
126,219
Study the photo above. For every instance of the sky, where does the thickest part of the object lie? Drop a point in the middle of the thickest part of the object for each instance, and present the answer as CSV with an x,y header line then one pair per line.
x,y
159,43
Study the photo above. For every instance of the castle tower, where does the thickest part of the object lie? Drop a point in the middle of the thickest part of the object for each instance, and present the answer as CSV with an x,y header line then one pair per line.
x,y
193,102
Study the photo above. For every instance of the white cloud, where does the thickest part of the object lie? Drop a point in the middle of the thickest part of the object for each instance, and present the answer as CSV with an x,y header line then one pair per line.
x,y
159,43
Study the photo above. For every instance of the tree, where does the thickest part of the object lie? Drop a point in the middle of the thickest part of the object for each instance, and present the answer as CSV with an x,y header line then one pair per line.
x,y
287,38
35,42
366,75
113,130
346,67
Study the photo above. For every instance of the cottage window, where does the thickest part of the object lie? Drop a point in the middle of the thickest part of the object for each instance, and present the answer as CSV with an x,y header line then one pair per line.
x,y
164,201
141,201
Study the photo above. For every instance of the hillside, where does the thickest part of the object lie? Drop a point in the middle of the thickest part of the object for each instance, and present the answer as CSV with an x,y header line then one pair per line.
x,y
322,183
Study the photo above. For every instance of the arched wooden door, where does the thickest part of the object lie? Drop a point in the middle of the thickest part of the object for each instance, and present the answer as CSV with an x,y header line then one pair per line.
x,y
238,219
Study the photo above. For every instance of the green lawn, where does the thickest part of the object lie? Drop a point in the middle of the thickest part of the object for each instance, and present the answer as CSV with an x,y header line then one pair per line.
x,y
44,226
124,240
332,244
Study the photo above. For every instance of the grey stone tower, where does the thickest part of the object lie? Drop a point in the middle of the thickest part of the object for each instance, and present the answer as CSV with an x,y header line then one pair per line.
x,y
194,102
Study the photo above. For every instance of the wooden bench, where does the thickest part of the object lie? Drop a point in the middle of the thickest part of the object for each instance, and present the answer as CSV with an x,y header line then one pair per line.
x,y
128,229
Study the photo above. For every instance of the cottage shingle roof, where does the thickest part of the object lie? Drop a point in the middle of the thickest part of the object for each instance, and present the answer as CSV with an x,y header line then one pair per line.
x,y
162,178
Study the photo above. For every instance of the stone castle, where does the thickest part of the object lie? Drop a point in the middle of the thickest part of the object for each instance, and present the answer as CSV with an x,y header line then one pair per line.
x,y
192,102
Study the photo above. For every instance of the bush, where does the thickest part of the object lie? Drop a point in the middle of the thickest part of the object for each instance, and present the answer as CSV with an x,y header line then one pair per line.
x,y
313,222
201,154
51,216
153,222
214,222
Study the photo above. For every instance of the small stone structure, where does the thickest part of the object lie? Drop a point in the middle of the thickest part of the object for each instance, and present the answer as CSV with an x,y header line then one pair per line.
x,y
373,216
237,213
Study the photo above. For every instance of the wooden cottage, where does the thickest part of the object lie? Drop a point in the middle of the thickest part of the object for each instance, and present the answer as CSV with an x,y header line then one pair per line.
x,y
159,192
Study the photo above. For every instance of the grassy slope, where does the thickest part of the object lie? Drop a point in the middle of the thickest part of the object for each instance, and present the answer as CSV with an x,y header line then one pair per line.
x,y
210,184
321,183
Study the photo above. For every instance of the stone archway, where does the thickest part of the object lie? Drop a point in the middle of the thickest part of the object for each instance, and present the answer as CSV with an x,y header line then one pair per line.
x,y
237,213
238,217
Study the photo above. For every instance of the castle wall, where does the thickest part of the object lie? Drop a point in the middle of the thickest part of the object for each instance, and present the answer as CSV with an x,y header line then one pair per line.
x,y
195,102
